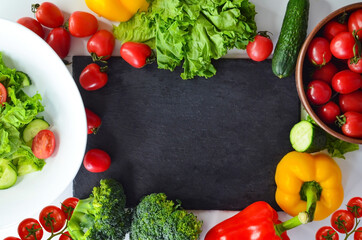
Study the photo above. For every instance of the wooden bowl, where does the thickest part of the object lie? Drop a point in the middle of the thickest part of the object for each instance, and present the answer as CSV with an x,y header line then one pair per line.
x,y
301,73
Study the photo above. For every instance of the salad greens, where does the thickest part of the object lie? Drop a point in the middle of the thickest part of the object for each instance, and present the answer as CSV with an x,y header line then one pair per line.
x,y
19,110
192,31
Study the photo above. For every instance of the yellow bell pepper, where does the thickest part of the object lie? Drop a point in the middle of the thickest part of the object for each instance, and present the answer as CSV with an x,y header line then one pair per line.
x,y
117,10
309,183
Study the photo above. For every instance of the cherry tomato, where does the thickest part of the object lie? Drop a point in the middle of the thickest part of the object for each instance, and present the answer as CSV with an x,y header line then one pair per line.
x,y
136,54
52,219
355,22
101,44
93,77
332,28
355,65
351,102
319,52
342,45
318,92
346,81
358,234
65,236
49,15
32,24
354,205
43,144
59,40
93,121
3,94
328,113
342,221
351,124
68,206
30,229
96,160
260,49
82,24
12,238
326,232
325,72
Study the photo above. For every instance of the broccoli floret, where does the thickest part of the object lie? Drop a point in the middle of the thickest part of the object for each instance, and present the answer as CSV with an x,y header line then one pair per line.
x,y
155,217
103,215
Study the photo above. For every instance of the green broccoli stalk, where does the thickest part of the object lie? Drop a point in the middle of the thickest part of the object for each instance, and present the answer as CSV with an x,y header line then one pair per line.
x,y
103,215
155,217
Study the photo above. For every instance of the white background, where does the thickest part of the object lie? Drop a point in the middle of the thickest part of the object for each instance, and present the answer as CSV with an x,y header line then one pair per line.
x,y
269,17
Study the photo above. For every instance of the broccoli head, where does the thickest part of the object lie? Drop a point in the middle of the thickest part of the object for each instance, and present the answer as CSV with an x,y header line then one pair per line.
x,y
155,217
103,215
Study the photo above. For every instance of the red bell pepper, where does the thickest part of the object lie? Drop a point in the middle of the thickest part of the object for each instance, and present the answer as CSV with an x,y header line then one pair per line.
x,y
258,221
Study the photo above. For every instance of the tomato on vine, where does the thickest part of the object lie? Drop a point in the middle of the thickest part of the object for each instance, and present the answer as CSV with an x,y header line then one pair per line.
x,y
30,229
354,205
342,221
326,233
68,206
52,219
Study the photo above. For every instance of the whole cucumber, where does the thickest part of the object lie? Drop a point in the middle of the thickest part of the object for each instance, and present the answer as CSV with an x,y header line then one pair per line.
x,y
291,38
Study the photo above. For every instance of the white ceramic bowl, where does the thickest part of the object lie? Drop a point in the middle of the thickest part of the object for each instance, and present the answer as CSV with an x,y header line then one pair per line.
x,y
64,110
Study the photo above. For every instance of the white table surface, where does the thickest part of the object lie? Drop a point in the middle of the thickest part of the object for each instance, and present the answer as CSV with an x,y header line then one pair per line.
x,y
269,17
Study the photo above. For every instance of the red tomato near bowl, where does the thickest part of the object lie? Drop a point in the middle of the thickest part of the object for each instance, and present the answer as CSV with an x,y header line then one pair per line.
x,y
354,205
325,72
82,24
318,92
43,144
3,94
260,49
33,25
52,218
59,40
96,160
355,22
93,77
328,112
319,52
342,218
351,102
326,232
49,15
346,81
351,124
355,65
136,54
332,28
101,44
93,121
342,45
27,224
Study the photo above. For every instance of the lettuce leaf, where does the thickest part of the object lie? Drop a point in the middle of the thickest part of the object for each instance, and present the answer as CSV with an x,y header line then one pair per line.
x,y
191,32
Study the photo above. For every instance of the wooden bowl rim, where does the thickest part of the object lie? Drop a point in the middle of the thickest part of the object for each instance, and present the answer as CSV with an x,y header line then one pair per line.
x,y
299,73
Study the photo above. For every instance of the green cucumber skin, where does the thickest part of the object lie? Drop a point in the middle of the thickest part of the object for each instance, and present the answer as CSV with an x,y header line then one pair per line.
x,y
291,38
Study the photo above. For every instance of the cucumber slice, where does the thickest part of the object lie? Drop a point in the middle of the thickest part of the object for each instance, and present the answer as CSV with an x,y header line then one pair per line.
x,y
25,79
32,129
8,175
307,137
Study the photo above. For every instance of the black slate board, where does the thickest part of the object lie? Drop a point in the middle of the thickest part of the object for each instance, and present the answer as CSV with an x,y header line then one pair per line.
x,y
211,143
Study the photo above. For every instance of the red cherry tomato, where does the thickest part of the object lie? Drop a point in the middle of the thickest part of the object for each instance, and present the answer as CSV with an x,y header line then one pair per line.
x,y
52,219
318,92
354,205
82,24
342,45
326,232
93,77
43,144
355,22
260,49
65,236
68,206
342,221
136,54
358,234
49,15
93,121
351,102
332,28
3,94
355,65
101,44
328,113
32,24
59,40
319,52
346,81
325,72
30,229
12,238
96,160
351,124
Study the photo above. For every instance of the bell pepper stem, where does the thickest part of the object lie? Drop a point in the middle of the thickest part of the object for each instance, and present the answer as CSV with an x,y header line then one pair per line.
x,y
301,218
311,192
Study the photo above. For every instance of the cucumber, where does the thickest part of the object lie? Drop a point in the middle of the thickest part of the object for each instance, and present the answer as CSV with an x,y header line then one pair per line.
x,y
8,175
291,38
25,79
32,129
307,137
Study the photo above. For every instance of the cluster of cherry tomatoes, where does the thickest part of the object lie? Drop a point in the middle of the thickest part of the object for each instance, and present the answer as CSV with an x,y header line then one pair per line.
x,y
335,89
344,221
52,219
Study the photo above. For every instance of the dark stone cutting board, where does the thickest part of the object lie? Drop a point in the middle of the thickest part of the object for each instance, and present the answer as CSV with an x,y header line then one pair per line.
x,y
211,143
